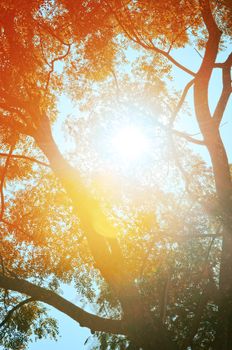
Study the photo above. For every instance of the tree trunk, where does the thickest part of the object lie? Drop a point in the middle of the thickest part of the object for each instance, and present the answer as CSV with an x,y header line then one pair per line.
x,y
137,319
223,185
210,130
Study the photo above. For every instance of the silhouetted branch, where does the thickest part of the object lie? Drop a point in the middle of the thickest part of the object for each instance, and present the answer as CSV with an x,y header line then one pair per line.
x,y
52,64
172,60
20,156
84,318
181,101
16,307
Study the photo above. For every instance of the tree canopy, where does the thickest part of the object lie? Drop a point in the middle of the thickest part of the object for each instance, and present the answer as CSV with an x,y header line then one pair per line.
x,y
119,205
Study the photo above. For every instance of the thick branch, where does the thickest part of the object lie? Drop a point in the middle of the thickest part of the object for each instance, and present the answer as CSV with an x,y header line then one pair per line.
x,y
90,214
212,44
204,74
208,16
85,319
208,128
106,252
83,202
226,90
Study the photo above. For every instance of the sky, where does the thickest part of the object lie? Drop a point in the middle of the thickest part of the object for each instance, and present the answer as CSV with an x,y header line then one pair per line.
x,y
72,336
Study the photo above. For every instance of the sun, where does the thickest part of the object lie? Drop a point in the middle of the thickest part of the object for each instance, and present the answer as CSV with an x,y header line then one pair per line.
x,y
130,143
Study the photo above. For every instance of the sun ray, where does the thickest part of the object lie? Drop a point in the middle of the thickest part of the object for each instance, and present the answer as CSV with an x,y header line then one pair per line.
x,y
130,143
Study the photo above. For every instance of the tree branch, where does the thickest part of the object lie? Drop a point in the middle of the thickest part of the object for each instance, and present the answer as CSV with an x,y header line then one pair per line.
x,y
212,44
181,101
226,90
106,252
16,307
52,65
3,179
188,137
21,156
202,79
84,318
171,59
135,38
208,17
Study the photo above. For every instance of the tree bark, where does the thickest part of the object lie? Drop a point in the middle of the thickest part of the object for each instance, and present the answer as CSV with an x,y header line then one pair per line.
x,y
210,130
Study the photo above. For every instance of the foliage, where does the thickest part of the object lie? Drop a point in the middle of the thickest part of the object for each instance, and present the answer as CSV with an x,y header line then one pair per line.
x,y
142,241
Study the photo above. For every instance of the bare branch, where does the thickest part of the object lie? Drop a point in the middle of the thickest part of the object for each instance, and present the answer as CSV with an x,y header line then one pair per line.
x,y
198,52
188,137
181,101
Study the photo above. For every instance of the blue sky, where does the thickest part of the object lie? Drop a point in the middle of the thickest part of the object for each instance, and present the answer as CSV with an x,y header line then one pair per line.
x,y
71,336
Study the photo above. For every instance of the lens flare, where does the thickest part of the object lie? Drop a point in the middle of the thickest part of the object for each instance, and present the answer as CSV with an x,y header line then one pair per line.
x,y
130,143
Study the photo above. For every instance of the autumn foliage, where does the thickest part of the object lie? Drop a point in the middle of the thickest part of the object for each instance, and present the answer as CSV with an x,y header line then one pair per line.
x,y
146,240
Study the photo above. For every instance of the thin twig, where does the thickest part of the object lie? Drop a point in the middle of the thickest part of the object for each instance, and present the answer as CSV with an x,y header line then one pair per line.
x,y
181,101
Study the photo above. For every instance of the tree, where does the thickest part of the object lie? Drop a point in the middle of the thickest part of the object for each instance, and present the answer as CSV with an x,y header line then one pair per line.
x,y
55,207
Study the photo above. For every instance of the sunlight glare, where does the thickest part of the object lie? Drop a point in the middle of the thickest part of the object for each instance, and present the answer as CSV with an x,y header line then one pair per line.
x,y
130,143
